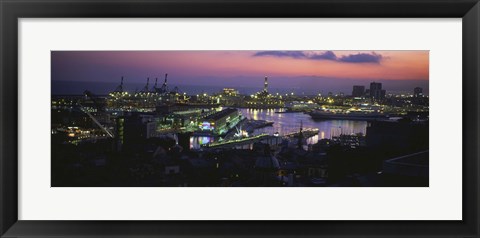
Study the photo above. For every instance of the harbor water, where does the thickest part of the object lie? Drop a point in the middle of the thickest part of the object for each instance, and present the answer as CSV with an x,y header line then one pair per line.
x,y
289,122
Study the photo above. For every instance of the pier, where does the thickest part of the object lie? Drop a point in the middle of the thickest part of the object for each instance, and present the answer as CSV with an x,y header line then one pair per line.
x,y
241,142
307,133
266,138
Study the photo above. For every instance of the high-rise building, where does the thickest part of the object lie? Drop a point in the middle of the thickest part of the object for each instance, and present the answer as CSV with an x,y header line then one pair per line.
x,y
367,93
418,92
376,91
358,91
375,86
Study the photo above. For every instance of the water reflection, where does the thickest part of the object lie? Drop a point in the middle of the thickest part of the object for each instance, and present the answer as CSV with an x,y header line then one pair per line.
x,y
290,122
285,123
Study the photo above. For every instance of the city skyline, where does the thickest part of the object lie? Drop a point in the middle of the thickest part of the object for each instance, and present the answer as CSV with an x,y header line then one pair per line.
x,y
240,119
313,70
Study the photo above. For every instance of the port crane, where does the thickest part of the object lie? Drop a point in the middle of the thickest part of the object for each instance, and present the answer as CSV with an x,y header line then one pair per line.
x,y
164,88
154,89
119,87
145,89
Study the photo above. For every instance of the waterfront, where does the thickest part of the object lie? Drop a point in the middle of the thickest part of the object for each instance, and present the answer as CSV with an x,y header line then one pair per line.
x,y
285,122
239,119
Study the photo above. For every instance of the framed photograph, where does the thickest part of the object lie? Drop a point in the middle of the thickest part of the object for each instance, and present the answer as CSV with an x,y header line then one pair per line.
x,y
227,118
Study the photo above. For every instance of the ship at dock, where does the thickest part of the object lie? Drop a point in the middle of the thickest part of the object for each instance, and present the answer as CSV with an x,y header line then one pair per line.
x,y
359,114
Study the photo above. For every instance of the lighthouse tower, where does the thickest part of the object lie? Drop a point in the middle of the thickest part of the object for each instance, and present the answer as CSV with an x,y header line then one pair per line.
x,y
265,85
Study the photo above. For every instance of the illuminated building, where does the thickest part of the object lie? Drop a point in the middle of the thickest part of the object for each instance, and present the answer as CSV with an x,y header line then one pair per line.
x,y
230,92
221,121
228,97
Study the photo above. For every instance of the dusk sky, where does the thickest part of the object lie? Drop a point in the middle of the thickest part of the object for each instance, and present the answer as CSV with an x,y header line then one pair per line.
x,y
318,70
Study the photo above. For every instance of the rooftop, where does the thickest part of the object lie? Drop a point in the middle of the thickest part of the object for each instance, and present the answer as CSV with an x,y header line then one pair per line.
x,y
220,114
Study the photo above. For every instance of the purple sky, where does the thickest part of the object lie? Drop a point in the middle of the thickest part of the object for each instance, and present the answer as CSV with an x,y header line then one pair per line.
x,y
312,70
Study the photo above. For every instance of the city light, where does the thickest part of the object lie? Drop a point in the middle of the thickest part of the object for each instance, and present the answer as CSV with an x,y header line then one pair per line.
x,y
248,131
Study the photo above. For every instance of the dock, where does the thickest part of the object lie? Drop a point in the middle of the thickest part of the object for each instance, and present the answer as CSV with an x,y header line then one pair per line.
x,y
239,142
266,138
307,133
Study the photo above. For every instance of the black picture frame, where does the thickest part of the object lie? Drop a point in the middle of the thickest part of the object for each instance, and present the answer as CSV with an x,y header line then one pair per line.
x,y
11,11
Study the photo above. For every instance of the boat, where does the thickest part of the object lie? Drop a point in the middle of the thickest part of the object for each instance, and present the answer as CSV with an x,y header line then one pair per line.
x,y
348,114
289,111
300,106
